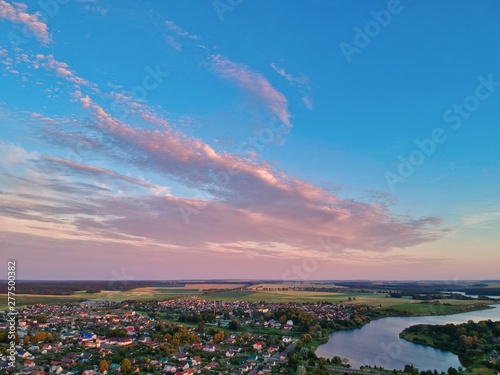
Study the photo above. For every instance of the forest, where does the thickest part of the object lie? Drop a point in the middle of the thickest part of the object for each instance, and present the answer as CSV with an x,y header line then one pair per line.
x,y
474,343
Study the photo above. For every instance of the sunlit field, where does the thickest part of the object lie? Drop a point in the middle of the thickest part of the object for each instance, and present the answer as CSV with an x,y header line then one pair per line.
x,y
405,304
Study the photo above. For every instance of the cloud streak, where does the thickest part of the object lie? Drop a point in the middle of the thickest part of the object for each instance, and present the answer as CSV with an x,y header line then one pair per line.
x,y
16,13
254,83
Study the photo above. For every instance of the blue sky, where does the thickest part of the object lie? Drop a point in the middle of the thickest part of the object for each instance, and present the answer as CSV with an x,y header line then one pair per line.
x,y
279,134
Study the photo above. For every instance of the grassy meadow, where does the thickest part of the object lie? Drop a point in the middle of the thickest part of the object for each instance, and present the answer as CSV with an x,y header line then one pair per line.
x,y
227,292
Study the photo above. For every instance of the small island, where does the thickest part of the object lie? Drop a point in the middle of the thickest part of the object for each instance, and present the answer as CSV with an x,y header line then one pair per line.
x,y
476,344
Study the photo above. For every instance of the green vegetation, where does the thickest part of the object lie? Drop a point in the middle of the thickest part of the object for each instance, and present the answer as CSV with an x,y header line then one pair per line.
x,y
437,307
476,344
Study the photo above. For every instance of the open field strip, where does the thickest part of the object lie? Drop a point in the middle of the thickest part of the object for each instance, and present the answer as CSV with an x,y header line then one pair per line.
x,y
405,305
203,286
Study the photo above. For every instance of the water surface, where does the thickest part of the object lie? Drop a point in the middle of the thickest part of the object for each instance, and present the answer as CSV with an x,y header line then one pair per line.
x,y
378,342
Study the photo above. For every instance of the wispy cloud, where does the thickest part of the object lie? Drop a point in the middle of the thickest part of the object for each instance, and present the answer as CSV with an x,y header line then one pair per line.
x,y
255,83
96,9
17,13
301,80
177,34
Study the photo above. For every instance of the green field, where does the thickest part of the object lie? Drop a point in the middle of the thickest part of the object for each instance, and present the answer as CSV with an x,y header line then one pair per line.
x,y
405,305
156,293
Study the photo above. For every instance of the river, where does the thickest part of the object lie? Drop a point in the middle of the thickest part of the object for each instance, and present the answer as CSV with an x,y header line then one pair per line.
x,y
378,343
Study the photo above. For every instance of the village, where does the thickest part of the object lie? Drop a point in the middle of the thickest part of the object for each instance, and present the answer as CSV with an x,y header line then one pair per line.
x,y
180,336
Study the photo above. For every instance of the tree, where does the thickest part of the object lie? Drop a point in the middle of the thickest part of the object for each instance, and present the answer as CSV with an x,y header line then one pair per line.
x,y
293,359
42,318
234,325
305,338
126,366
304,352
103,366
201,326
219,336
452,371
301,370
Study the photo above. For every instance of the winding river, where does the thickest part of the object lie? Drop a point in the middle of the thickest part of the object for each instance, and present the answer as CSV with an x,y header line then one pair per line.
x,y
378,342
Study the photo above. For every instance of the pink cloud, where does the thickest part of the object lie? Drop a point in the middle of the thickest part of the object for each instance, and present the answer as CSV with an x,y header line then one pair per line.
x,y
16,13
254,83
250,201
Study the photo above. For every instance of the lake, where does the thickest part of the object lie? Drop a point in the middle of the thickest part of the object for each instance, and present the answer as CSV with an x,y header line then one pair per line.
x,y
378,343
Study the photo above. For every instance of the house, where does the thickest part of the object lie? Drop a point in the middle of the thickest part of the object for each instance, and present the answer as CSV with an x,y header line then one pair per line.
x,y
272,349
257,346
105,352
196,360
183,365
68,362
252,358
129,314
56,369
87,337
230,353
286,339
169,368
244,367
88,372
29,363
271,361
289,322
267,368
24,354
124,342
145,340
209,348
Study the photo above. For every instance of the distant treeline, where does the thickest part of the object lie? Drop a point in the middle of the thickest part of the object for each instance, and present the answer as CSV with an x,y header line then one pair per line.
x,y
415,288
482,291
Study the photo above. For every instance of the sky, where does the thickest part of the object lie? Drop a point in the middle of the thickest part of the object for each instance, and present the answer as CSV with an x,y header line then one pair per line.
x,y
237,139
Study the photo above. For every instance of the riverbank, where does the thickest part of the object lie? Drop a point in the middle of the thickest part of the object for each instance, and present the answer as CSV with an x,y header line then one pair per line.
x,y
406,310
475,343
378,344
